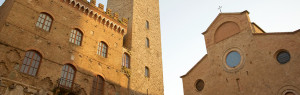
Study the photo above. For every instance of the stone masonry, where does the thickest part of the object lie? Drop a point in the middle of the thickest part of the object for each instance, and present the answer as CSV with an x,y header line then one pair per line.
x,y
123,32
258,73
139,12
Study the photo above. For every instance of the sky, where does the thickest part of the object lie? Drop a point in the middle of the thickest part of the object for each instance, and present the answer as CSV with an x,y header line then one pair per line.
x,y
183,21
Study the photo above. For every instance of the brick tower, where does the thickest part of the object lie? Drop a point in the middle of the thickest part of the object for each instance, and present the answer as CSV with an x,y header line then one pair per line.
x,y
143,42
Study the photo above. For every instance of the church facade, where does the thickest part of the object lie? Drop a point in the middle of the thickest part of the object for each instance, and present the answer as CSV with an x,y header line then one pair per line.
x,y
74,47
242,59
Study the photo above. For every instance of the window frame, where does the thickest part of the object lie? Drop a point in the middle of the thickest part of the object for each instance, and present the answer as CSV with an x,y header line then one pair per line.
x,y
230,56
74,37
101,45
202,86
126,60
31,61
238,67
95,89
279,52
43,23
65,79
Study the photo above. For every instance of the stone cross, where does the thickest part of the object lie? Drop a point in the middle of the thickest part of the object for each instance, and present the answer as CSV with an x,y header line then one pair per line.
x,y
220,8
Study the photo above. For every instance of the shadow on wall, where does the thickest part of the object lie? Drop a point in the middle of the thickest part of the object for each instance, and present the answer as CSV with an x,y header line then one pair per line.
x,y
13,82
53,52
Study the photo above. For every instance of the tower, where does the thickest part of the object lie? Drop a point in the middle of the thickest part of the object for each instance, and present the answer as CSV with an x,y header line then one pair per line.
x,y
143,42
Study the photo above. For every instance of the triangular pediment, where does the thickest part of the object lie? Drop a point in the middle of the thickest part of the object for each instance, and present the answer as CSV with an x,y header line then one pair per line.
x,y
226,25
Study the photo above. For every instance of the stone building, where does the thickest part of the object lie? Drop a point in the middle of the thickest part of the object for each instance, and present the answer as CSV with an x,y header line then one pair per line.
x,y
74,47
242,59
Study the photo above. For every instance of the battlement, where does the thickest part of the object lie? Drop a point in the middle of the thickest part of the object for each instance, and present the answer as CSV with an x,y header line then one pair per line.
x,y
97,13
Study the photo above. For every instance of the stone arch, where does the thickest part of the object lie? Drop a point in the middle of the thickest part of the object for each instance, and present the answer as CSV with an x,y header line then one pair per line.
x,y
79,29
68,1
106,43
82,8
35,49
119,29
72,65
91,14
122,31
87,11
103,21
226,30
111,25
107,23
98,85
95,16
73,3
49,14
77,6
115,27
99,18
100,74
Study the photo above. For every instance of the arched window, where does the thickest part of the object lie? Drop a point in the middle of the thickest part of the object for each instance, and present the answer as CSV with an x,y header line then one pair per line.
x,y
147,72
147,43
147,24
44,22
102,49
98,86
76,37
126,60
67,76
31,63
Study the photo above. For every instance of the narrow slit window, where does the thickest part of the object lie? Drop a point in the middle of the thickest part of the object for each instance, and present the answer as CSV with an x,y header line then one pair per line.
x,y
147,24
146,71
126,60
147,43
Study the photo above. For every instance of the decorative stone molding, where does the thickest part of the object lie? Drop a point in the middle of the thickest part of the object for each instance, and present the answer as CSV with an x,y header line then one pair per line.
x,y
238,67
111,20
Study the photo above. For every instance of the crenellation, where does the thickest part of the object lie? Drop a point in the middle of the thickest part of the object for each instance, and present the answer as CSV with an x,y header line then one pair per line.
x,y
116,16
108,11
101,7
93,2
98,15
125,21
82,37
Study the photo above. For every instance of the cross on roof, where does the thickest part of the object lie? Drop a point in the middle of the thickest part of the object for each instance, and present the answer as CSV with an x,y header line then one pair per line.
x,y
220,8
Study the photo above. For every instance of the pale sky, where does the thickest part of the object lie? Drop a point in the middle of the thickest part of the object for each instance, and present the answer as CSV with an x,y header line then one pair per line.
x,y
183,21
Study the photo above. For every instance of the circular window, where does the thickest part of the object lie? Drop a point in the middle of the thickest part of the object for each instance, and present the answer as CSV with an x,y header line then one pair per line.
x,y
289,93
283,57
199,85
233,59
288,90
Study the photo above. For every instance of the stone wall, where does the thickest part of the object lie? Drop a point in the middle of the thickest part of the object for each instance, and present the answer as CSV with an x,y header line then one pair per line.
x,y
19,34
138,12
258,73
